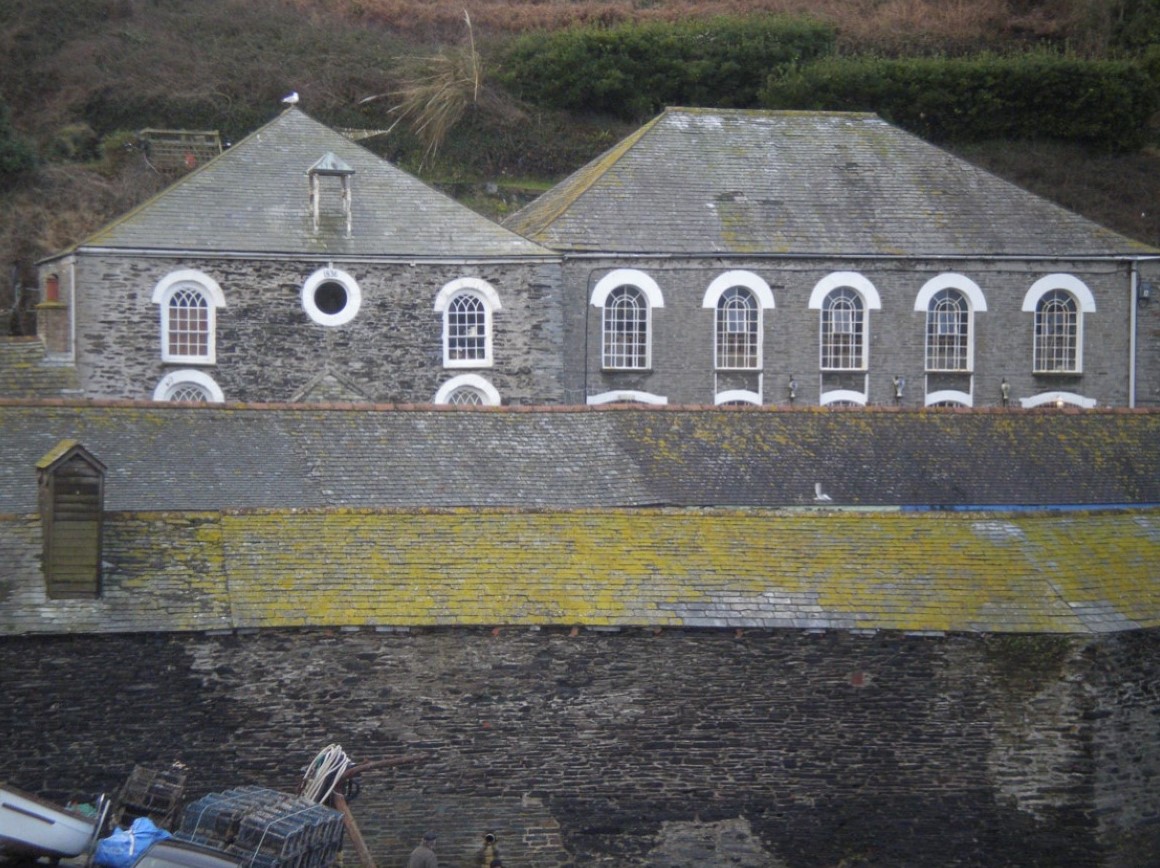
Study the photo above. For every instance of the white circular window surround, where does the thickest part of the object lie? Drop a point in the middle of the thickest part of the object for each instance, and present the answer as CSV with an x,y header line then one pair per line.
x,y
331,297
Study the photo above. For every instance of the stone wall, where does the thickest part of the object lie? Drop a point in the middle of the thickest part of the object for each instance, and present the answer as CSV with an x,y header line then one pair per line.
x,y
269,350
585,747
682,348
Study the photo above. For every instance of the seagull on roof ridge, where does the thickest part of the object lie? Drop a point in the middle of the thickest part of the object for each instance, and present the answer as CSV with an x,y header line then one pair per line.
x,y
292,99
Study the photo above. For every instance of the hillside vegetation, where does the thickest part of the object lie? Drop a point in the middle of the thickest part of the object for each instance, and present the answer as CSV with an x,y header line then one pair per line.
x,y
462,90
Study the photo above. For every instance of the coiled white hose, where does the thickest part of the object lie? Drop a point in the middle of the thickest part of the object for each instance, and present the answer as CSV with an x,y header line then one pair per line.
x,y
325,773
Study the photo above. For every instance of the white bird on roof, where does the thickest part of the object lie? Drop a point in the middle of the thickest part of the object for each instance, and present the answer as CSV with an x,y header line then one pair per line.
x,y
292,99
819,494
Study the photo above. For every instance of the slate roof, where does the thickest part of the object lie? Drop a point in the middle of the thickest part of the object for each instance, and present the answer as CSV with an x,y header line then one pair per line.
x,y
713,181
173,457
26,374
254,198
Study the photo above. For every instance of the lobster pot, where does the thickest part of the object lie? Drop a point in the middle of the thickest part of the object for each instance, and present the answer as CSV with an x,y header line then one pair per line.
x,y
264,828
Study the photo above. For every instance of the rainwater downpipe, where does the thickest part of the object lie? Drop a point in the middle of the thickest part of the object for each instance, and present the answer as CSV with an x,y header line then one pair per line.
x,y
1133,296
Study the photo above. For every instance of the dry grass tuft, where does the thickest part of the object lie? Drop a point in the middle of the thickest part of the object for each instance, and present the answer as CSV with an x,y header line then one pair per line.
x,y
436,92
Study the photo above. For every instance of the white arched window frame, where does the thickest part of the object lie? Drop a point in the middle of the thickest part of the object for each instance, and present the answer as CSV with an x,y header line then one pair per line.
x,y
1059,302
1057,399
464,388
842,397
467,306
188,301
188,385
626,298
844,299
737,396
738,299
949,397
950,302
331,297
628,396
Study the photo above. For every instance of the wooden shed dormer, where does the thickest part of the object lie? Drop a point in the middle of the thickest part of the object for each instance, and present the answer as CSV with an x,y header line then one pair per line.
x,y
71,485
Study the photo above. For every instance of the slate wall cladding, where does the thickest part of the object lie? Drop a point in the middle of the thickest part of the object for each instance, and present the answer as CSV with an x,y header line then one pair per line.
x,y
268,348
575,747
682,348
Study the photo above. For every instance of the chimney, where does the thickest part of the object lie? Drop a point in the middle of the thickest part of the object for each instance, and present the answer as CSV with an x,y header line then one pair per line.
x,y
52,318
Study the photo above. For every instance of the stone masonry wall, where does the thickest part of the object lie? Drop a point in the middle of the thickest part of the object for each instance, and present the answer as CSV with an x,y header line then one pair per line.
x,y
268,348
682,347
582,747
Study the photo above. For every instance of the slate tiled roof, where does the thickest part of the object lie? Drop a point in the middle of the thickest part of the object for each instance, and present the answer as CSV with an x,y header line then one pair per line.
x,y
26,374
254,198
712,181
163,456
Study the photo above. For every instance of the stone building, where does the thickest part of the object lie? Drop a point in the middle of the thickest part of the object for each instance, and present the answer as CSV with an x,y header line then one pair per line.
x,y
299,266
712,257
763,257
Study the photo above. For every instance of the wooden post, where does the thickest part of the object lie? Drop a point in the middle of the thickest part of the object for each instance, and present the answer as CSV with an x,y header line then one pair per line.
x,y
360,846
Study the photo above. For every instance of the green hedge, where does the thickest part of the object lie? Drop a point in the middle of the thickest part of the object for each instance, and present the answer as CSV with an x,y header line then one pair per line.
x,y
1106,104
632,71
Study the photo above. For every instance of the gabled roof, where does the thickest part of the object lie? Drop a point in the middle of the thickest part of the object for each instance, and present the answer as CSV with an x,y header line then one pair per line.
x,y
255,198
163,457
713,181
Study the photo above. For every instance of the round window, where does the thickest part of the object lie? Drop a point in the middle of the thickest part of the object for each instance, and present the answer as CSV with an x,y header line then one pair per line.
x,y
331,297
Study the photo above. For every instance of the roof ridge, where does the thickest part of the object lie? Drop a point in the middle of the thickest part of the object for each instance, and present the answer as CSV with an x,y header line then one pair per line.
x,y
568,193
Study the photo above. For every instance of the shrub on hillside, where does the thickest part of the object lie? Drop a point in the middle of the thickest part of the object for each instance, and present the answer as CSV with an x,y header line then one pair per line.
x,y
16,155
1105,104
633,70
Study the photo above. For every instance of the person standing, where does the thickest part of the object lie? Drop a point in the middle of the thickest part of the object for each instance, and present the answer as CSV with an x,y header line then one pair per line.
x,y
423,856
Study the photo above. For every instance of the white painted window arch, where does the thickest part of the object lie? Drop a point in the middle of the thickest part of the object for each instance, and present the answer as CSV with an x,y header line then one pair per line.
x,y
627,396
188,301
468,389
626,298
331,297
1067,399
188,385
738,396
467,305
738,299
1059,302
950,396
843,396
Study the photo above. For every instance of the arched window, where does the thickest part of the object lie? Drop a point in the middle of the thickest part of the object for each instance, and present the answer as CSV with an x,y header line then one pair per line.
x,y
948,322
188,300
189,385
468,389
626,298
843,331
950,302
1056,333
626,319
738,338
467,305
1059,302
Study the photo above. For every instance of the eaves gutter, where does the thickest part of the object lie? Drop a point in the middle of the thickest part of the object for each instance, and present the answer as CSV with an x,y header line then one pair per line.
x,y
300,256
885,257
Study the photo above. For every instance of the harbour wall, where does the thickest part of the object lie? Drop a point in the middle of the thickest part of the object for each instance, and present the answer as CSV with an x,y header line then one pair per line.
x,y
639,746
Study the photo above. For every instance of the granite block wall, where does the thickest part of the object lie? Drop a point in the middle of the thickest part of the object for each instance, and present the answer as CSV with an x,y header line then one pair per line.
x,y
682,348
588,747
